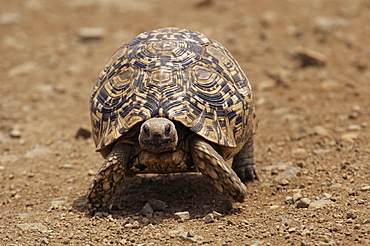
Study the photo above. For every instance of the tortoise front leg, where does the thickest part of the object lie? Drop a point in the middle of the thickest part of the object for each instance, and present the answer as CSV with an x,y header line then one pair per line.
x,y
243,163
110,175
216,171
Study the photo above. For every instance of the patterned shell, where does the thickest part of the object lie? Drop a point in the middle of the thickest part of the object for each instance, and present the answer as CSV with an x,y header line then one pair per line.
x,y
177,74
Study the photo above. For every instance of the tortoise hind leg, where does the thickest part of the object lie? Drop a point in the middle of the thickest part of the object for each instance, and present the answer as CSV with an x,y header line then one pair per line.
x,y
109,176
243,163
216,171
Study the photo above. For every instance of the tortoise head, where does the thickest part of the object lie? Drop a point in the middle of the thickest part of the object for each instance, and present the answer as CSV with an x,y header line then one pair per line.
x,y
158,135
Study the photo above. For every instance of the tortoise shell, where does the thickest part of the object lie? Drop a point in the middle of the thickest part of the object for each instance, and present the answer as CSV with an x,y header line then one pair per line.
x,y
177,74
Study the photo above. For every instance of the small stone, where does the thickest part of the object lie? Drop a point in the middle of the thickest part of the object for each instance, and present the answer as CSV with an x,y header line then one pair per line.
x,y
157,205
303,203
309,57
321,131
182,215
209,218
289,200
91,33
320,203
22,69
284,220
351,214
326,195
10,18
135,225
37,151
216,215
288,174
297,196
16,132
83,133
32,227
361,201
283,182
350,136
365,188
147,210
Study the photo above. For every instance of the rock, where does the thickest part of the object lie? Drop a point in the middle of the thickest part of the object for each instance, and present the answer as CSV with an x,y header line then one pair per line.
x,y
320,204
297,197
83,133
284,220
350,136
288,174
91,33
8,159
351,214
37,151
365,188
280,166
289,200
32,227
321,131
326,195
22,69
309,57
135,225
216,215
10,18
147,210
16,132
303,203
327,24
157,205
209,218
182,215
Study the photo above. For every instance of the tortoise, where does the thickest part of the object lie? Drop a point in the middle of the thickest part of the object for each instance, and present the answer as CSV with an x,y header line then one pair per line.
x,y
173,100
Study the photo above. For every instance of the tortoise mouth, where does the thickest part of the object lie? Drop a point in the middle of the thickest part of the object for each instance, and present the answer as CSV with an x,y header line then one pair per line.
x,y
158,146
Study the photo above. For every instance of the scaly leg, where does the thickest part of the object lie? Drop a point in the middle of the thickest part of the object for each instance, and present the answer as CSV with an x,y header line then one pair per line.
x,y
215,170
110,175
243,163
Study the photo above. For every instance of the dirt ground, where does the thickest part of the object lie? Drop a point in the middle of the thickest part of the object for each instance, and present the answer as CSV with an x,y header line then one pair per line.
x,y
308,63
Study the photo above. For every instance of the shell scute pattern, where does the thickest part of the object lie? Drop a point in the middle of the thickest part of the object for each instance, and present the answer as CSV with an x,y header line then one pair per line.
x,y
177,74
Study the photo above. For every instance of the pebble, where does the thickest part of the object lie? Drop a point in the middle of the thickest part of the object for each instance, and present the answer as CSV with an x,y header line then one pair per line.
x,y
157,205
288,174
351,214
8,159
320,203
182,215
22,69
284,220
350,136
209,218
83,133
10,18
321,131
297,197
91,33
32,227
147,210
37,151
365,188
289,200
327,24
303,203
16,132
310,57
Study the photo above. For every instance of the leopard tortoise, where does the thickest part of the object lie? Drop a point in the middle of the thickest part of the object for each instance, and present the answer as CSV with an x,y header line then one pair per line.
x,y
173,100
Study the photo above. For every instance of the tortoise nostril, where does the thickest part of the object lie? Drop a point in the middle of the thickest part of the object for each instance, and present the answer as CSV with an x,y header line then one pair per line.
x,y
167,130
